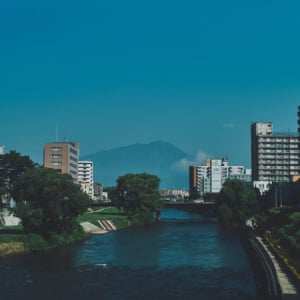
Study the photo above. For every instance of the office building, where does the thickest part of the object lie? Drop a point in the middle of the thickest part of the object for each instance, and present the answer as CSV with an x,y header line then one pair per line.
x,y
86,177
63,157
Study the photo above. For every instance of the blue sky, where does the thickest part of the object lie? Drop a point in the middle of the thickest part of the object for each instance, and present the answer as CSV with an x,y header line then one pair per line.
x,y
113,73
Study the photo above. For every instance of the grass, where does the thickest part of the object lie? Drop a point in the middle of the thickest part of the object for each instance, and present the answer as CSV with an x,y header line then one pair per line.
x,y
117,216
11,240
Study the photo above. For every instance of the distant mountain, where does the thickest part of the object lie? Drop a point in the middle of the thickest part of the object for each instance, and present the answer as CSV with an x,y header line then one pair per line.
x,y
156,158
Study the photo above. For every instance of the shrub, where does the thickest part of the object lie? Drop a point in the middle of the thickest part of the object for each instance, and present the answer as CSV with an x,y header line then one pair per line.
x,y
34,242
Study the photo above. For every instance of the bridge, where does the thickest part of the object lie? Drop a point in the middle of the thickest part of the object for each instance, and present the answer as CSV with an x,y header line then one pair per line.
x,y
206,208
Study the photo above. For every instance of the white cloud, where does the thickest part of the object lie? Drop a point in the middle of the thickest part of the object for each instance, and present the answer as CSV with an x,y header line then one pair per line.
x,y
183,164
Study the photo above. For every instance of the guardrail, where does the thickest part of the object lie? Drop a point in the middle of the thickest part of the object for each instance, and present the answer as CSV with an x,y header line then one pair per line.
x,y
268,287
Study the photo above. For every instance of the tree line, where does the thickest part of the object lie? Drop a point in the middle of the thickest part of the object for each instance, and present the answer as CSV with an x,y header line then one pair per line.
x,y
49,202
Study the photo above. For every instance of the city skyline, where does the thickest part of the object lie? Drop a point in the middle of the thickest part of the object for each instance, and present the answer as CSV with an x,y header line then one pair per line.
x,y
113,74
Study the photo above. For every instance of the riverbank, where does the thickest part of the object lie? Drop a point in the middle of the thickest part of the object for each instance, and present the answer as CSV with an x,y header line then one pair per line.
x,y
273,280
11,248
13,239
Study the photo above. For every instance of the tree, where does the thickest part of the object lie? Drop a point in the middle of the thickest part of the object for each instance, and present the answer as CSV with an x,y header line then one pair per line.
x,y
48,201
138,195
12,167
235,203
112,193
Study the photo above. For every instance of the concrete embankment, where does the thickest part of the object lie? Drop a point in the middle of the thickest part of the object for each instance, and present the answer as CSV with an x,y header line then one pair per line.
x,y
105,226
271,281
267,285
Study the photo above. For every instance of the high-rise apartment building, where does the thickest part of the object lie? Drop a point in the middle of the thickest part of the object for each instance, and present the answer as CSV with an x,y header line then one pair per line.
x,y
86,177
274,156
63,157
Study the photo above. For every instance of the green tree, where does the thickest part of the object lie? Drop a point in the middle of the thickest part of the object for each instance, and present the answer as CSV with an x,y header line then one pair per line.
x,y
138,195
112,193
12,167
235,203
48,201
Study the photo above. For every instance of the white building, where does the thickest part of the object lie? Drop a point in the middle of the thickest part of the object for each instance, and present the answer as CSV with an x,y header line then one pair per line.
x,y
262,186
86,177
216,173
1,150
210,177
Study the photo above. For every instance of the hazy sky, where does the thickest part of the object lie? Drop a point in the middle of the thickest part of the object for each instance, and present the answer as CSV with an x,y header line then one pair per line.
x,y
112,73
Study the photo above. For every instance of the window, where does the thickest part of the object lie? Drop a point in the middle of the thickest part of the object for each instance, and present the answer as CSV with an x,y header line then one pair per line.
x,y
56,156
73,158
73,151
58,149
56,163
73,166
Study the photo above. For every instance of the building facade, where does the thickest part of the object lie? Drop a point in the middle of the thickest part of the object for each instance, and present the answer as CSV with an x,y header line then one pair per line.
x,y
274,156
98,192
209,178
86,177
63,157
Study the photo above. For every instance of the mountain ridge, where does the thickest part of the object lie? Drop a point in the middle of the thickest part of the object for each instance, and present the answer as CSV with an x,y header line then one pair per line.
x,y
157,158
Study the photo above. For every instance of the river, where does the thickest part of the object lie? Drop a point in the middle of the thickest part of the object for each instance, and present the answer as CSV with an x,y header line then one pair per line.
x,y
185,256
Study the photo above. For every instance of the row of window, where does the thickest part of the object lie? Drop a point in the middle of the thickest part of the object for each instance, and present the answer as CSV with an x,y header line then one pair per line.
x,y
55,163
277,167
280,162
276,146
277,140
277,151
278,158
277,172
56,149
56,156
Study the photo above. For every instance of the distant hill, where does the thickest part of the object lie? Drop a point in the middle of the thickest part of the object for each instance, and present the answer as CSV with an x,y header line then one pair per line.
x,y
155,158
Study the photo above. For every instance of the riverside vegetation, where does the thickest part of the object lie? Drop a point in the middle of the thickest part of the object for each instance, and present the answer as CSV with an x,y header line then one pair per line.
x,y
279,226
14,240
51,205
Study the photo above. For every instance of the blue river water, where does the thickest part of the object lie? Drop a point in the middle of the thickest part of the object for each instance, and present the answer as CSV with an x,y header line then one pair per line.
x,y
185,256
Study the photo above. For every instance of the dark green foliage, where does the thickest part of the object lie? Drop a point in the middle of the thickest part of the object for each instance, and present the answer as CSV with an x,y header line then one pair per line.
x,y
112,193
284,226
48,201
194,194
12,167
34,243
57,240
138,195
235,203
225,215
